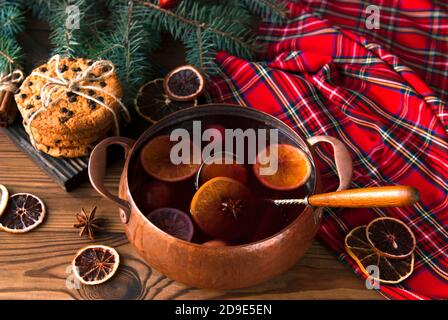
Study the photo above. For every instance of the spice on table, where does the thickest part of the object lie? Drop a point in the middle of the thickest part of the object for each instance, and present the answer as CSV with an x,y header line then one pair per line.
x,y
96,264
88,223
8,107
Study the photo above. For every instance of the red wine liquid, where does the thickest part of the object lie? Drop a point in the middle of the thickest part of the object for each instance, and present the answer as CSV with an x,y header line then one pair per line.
x,y
151,194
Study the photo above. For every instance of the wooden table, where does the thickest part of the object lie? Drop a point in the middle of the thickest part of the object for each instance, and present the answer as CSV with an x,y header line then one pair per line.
x,y
34,265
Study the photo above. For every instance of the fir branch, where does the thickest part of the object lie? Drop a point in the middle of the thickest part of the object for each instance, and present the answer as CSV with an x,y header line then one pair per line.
x,y
11,22
68,40
274,11
127,45
200,51
11,19
10,55
223,25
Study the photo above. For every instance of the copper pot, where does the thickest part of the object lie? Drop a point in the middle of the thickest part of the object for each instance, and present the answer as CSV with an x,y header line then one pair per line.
x,y
216,267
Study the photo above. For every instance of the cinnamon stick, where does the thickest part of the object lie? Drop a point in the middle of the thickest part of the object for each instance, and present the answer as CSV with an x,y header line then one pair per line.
x,y
8,109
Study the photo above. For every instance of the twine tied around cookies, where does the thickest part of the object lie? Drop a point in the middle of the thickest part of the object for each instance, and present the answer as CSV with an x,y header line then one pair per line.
x,y
10,82
74,85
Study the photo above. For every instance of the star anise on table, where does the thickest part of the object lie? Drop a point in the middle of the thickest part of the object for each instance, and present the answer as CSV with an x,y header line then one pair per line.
x,y
88,223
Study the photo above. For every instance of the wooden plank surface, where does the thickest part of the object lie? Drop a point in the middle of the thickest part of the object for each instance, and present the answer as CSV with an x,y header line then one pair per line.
x,y
67,173
34,265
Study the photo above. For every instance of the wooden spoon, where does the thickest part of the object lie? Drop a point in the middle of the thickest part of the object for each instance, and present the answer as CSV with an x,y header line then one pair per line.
x,y
373,197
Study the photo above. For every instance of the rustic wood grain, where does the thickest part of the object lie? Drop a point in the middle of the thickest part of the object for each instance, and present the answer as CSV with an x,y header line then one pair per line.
x,y
33,265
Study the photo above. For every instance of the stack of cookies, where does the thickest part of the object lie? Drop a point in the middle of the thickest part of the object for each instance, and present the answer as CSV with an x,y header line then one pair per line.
x,y
71,124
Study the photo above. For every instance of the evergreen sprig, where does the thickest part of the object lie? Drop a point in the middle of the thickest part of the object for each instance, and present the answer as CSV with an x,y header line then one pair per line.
x,y
11,23
205,28
127,31
274,11
10,54
11,18
66,37
127,45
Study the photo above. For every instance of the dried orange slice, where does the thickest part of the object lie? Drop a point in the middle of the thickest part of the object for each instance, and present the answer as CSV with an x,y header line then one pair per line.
x,y
156,161
184,83
4,197
95,264
390,270
225,167
223,208
391,237
152,103
293,167
23,213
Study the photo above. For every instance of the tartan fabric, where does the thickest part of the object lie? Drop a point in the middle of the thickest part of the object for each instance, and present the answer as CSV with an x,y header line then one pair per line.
x,y
325,74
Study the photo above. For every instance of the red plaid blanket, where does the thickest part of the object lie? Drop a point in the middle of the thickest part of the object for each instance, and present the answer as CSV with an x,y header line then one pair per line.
x,y
327,74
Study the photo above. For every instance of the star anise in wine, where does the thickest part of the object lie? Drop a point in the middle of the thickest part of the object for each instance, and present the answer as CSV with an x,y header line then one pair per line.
x,y
232,206
88,223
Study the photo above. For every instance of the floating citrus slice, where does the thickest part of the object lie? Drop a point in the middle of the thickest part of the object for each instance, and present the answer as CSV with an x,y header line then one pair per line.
x,y
173,221
293,167
215,243
223,208
184,83
390,270
391,237
156,161
225,166
4,197
23,213
152,104
95,264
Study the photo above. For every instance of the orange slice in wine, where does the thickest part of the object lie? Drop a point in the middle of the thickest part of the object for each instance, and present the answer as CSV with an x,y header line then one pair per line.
x,y
292,171
156,161
223,208
215,243
225,167
174,222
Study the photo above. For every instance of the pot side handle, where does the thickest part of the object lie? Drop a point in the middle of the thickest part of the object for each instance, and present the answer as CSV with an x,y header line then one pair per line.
x,y
342,158
97,171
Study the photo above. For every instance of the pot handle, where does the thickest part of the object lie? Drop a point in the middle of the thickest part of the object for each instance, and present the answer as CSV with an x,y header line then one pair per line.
x,y
97,171
342,158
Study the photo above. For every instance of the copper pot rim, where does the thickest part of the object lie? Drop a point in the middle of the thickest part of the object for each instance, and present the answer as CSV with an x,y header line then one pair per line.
x,y
167,122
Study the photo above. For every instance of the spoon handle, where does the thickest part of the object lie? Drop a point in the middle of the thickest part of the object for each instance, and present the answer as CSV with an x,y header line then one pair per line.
x,y
287,202
374,197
